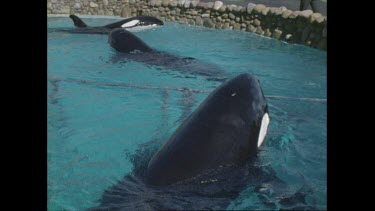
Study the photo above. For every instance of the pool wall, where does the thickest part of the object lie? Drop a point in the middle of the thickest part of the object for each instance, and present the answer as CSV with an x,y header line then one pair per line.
x,y
302,27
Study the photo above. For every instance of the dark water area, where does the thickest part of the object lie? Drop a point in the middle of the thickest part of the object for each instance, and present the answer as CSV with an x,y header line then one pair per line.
x,y
290,4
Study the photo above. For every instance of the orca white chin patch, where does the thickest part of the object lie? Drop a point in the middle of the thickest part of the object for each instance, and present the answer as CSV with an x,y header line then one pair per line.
x,y
263,129
130,24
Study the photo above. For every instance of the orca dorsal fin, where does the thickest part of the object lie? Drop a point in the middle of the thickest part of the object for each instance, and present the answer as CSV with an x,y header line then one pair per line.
x,y
77,21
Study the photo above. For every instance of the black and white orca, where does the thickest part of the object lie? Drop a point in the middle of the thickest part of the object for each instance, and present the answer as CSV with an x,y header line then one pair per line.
x,y
130,47
133,22
209,159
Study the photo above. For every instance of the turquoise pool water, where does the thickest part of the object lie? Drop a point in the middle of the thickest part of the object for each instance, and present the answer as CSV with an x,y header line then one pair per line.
x,y
92,128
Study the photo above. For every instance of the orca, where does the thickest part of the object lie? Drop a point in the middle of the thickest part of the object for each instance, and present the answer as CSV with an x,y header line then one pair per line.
x,y
130,47
83,28
227,128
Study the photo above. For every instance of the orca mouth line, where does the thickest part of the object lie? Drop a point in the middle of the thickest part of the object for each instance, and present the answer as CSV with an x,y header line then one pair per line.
x,y
181,89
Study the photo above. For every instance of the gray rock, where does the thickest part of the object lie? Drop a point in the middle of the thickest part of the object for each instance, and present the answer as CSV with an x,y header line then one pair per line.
x,y
286,13
223,8
92,4
320,19
226,25
294,14
259,7
306,13
236,26
205,15
288,37
268,33
238,19
265,10
209,5
108,12
158,3
77,6
187,4
105,2
208,23
259,30
277,34
218,25
165,3
217,5
125,12
314,16
194,12
198,21
231,16
182,20
191,22
256,22
173,3
194,3
250,7
49,5
201,4
238,8
225,16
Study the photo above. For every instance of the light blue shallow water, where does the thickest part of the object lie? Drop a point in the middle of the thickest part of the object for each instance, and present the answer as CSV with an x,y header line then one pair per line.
x,y
91,128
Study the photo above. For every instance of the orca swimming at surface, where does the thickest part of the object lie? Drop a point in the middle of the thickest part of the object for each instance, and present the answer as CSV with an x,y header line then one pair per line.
x,y
83,28
209,159
130,47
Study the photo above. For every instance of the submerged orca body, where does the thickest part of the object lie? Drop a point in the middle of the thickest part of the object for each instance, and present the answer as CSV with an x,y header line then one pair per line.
x,y
208,160
82,28
130,47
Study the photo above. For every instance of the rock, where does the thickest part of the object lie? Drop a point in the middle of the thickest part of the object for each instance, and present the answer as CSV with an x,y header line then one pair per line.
x,y
194,12
320,19
49,5
77,6
217,5
92,4
236,26
100,12
259,7
288,37
108,12
267,33
225,16
125,12
265,11
158,3
105,2
259,30
257,22
286,13
194,3
294,14
191,22
277,34
208,23
209,5
223,8
226,25
238,8
231,16
314,16
238,19
250,7
201,4
218,25
165,3
187,4
173,3
198,21
182,20
219,19
306,13
205,15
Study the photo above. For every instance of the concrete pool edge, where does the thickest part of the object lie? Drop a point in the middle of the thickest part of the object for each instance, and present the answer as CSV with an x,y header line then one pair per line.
x,y
299,27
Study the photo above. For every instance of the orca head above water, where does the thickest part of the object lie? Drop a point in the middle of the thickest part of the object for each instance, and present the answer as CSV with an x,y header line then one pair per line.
x,y
227,128
124,41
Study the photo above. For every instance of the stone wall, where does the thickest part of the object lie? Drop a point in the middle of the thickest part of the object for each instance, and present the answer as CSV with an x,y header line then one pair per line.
x,y
302,27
